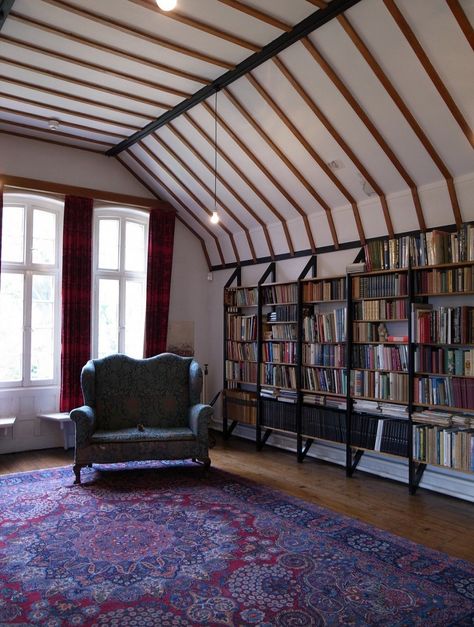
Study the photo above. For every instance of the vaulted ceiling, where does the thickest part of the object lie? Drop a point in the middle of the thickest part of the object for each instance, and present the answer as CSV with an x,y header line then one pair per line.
x,y
313,146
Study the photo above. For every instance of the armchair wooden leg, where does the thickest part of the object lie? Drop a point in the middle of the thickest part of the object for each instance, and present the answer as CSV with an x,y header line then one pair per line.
x,y
205,461
77,471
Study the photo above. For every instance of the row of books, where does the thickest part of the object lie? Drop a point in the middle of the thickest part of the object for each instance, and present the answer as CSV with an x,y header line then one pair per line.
x,y
241,296
325,327
380,357
281,331
241,327
278,375
324,355
323,424
283,313
286,293
325,290
454,361
323,380
381,309
444,391
390,386
279,416
452,447
387,435
241,351
241,371
282,352
380,285
445,281
378,408
431,248
443,325
241,405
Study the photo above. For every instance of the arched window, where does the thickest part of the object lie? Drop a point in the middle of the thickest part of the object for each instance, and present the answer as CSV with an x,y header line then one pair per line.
x,y
119,299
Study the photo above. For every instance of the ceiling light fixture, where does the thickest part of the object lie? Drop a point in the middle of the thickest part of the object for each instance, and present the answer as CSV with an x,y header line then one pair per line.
x,y
215,215
53,124
166,5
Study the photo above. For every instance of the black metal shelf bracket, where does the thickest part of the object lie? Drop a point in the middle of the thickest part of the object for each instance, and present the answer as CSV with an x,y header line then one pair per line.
x,y
354,461
417,474
263,439
302,454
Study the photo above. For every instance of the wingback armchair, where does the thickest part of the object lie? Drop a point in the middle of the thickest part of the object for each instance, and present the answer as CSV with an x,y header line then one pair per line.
x,y
140,409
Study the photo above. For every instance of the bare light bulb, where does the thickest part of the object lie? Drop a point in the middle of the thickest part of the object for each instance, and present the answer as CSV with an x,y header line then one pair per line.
x,y
214,217
166,5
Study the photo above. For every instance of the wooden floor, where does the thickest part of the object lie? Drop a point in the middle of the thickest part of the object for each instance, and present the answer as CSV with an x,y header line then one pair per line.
x,y
437,521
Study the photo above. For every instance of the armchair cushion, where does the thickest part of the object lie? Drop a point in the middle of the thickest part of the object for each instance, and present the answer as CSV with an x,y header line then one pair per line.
x,y
150,434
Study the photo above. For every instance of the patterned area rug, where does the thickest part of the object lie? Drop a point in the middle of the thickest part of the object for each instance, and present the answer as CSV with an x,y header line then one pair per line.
x,y
170,545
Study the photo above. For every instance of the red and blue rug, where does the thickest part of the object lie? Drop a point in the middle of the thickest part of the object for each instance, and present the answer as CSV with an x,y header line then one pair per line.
x,y
172,546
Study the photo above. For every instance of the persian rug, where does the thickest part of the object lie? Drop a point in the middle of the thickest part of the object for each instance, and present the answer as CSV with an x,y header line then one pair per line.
x,y
172,546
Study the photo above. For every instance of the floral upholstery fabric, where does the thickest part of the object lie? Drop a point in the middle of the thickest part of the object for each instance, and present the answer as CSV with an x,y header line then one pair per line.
x,y
141,409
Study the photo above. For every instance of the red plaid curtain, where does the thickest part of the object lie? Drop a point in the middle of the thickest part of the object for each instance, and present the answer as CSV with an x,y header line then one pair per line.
x,y
1,221
160,258
76,298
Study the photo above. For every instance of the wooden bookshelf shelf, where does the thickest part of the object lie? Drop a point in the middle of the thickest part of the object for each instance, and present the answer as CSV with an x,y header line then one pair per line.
x,y
449,376
445,266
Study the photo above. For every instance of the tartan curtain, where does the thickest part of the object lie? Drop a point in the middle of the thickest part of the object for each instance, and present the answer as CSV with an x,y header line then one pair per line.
x,y
1,221
160,258
76,298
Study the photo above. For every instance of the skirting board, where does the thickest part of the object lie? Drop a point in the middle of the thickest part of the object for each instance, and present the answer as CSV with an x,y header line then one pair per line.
x,y
447,482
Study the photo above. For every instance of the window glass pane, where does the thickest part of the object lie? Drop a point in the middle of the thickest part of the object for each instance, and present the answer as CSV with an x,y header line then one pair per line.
x,y
44,237
109,244
108,317
11,327
134,318
134,247
42,327
13,232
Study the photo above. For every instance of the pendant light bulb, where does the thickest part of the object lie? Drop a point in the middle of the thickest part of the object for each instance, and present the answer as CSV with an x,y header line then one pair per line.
x,y
214,217
166,5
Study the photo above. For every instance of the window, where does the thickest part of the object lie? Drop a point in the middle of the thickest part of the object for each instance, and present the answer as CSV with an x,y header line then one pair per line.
x,y
120,258
30,288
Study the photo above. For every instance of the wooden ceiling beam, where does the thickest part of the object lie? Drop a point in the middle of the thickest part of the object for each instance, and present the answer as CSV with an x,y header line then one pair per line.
x,y
429,69
102,47
246,115
315,156
240,172
110,91
127,29
259,15
190,193
104,70
197,24
143,166
339,139
403,108
178,217
49,141
73,98
210,168
321,4
55,109
462,20
373,130
194,176
46,118
55,133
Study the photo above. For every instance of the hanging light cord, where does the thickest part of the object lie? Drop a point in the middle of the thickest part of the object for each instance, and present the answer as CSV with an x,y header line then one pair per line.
x,y
215,153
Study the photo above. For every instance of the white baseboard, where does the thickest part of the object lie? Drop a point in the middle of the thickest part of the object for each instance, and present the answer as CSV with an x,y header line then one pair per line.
x,y
449,482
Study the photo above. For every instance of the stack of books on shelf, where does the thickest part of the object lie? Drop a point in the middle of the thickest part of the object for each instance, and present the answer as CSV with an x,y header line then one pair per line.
x,y
241,405
444,391
325,327
280,352
377,408
437,360
389,386
380,285
323,380
440,247
283,313
241,371
324,290
387,254
278,375
334,402
241,351
241,297
241,327
452,447
380,357
443,325
282,331
381,310
324,355
446,281
285,293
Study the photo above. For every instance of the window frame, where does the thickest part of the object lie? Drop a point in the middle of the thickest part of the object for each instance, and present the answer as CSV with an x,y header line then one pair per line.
x,y
124,215
28,269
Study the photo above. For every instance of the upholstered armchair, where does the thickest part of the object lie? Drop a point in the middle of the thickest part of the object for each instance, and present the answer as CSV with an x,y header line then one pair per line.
x,y
140,409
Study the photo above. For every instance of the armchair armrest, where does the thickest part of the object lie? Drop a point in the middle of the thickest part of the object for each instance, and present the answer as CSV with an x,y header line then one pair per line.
x,y
199,416
84,418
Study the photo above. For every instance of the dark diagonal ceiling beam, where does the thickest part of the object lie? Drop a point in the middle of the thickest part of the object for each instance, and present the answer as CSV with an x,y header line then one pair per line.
x,y
5,8
303,28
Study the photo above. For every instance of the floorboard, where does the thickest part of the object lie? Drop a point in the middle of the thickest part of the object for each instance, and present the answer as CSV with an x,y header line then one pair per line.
x,y
437,521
